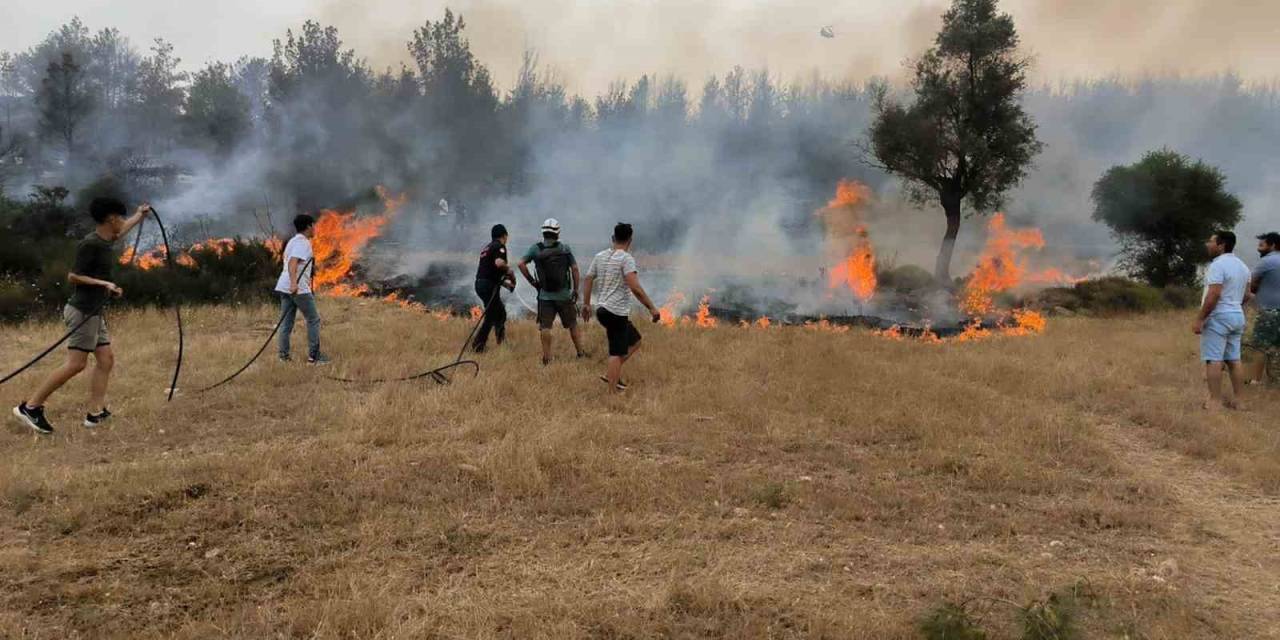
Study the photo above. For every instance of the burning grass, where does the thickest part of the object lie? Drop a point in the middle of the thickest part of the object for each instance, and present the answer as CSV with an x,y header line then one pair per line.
x,y
783,484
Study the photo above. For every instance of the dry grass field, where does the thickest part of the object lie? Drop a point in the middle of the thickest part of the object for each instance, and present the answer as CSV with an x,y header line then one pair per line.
x,y
780,483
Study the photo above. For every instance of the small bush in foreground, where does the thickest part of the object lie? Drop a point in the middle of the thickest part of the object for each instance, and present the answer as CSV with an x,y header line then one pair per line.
x,y
951,621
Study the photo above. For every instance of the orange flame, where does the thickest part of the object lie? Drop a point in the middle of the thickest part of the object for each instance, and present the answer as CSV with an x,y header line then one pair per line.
x,y
858,271
704,319
849,193
764,322
825,326
477,312
275,245
146,260
667,313
892,333
1026,322
1001,266
339,239
157,257
848,237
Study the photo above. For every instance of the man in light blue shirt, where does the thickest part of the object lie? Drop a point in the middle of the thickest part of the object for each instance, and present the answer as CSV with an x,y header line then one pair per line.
x,y
1265,285
1220,323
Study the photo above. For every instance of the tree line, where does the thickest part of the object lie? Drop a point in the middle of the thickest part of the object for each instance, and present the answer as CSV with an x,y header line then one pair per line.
x,y
963,136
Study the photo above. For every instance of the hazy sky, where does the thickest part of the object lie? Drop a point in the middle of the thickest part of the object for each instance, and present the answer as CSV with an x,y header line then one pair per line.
x,y
591,42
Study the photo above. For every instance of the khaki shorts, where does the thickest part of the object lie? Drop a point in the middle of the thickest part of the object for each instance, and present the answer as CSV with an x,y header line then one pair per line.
x,y
548,310
90,335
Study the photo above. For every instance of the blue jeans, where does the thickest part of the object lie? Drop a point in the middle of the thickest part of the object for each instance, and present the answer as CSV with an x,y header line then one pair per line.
x,y
289,308
1220,338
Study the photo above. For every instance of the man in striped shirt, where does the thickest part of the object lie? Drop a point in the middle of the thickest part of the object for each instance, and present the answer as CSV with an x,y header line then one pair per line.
x,y
615,268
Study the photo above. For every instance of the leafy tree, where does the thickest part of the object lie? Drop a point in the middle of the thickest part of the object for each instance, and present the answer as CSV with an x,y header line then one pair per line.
x,y
966,136
216,113
64,102
1162,209
112,70
672,103
48,216
313,62
455,83
316,115
160,95
252,77
72,37
459,100
10,91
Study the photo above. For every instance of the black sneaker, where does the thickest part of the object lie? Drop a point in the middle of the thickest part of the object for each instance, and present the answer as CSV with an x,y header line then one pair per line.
x,y
33,417
318,359
284,357
621,386
96,419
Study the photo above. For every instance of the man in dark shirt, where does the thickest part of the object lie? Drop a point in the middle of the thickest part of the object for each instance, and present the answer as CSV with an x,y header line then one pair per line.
x,y
494,272
91,277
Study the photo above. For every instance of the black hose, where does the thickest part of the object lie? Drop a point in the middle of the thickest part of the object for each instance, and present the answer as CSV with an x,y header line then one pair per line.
x,y
177,308
66,336
262,349
492,297
437,374
137,239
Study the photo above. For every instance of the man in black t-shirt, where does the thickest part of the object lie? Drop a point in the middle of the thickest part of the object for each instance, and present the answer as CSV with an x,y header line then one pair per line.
x,y
494,272
91,277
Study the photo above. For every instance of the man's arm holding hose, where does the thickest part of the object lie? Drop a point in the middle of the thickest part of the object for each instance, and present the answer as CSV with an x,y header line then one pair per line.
x,y
136,219
633,283
507,279
86,281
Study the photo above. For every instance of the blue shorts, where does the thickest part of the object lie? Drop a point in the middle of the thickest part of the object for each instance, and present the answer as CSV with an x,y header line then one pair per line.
x,y
1220,339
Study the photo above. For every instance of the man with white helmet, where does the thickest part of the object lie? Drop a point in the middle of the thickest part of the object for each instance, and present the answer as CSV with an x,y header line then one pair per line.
x,y
557,283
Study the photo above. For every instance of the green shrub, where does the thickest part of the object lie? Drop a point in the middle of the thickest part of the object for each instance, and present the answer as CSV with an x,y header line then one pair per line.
x,y
1180,297
246,274
1050,619
951,621
16,300
907,278
1117,295
772,495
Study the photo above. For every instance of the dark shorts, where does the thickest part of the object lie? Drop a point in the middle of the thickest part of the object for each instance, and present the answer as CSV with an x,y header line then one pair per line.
x,y
549,309
622,334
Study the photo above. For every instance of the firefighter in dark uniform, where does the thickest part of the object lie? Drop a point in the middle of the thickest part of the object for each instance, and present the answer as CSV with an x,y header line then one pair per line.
x,y
494,272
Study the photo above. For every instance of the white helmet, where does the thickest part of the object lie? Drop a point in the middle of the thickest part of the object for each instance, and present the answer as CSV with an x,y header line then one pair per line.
x,y
551,225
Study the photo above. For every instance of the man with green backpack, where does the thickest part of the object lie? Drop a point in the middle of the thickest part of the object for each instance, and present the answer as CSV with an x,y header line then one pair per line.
x,y
557,284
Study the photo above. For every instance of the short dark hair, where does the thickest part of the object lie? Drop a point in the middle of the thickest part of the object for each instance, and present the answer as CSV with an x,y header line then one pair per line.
x,y
1271,237
1227,239
302,222
622,233
102,208
497,231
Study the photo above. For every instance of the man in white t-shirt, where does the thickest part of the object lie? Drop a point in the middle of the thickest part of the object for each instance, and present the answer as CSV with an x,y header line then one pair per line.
x,y
1220,323
294,288
615,269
